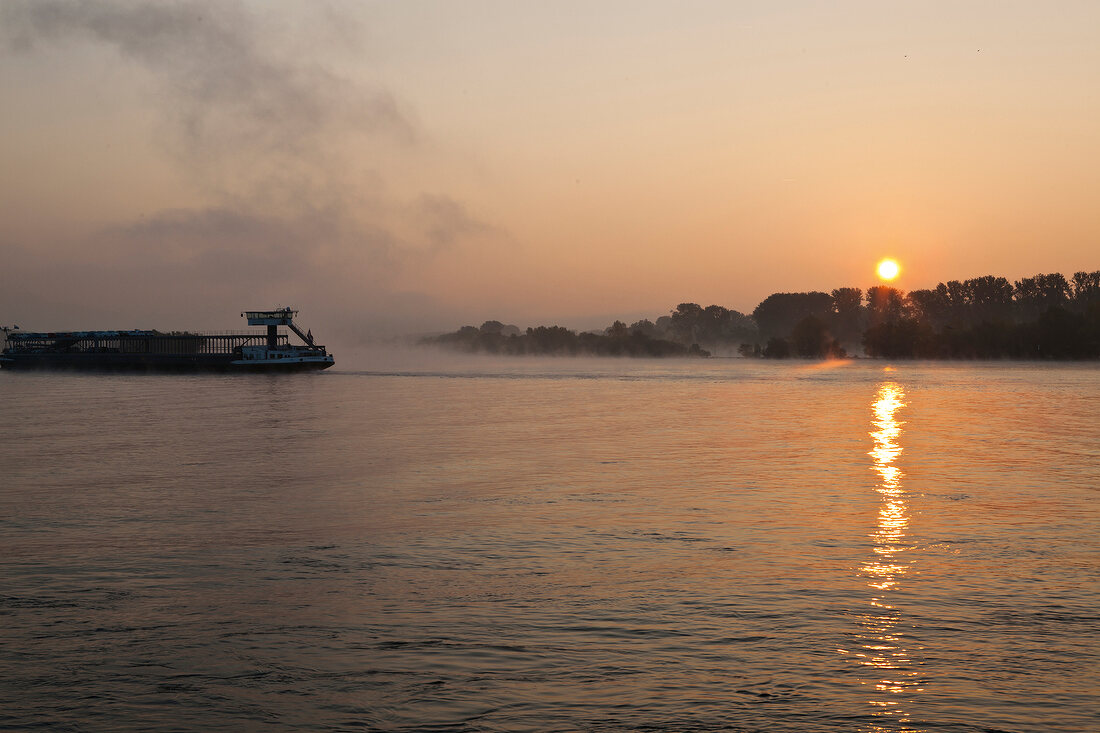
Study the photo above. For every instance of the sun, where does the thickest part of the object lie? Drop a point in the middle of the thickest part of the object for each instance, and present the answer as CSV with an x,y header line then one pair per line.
x,y
888,269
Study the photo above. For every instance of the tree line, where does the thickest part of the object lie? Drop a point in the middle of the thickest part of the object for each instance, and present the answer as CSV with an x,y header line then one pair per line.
x,y
1039,317
494,337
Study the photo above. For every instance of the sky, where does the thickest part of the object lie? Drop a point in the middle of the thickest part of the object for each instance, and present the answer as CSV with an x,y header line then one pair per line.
x,y
414,166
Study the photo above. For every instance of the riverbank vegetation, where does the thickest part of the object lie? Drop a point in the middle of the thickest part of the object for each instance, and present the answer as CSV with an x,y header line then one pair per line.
x,y
493,337
1039,317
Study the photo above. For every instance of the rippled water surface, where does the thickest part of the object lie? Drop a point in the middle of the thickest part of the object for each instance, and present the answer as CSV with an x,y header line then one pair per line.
x,y
554,546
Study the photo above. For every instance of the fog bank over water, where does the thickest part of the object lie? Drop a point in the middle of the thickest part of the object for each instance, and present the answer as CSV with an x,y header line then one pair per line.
x,y
400,357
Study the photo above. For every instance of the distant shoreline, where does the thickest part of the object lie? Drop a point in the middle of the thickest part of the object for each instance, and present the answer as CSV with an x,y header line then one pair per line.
x,y
1036,319
790,359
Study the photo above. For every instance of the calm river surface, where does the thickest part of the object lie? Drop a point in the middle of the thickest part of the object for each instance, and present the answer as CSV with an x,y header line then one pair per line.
x,y
554,545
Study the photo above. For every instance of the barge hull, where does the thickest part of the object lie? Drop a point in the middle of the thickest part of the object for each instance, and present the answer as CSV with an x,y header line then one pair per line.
x,y
150,363
176,351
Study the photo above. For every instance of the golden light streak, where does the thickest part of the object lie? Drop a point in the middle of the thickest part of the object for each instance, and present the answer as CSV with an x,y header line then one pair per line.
x,y
881,641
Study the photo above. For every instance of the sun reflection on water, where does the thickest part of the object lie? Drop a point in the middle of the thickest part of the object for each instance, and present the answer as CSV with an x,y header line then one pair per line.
x,y
882,647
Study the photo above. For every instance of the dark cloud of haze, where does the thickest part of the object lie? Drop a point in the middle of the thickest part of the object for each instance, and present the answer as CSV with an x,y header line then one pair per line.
x,y
271,137
228,84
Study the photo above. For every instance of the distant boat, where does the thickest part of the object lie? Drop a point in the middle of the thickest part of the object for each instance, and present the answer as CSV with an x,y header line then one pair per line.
x,y
156,351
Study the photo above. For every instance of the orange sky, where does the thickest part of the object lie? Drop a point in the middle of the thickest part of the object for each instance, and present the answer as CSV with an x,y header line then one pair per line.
x,y
420,165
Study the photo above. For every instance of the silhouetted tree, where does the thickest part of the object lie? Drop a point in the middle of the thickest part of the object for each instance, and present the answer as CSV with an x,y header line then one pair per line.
x,y
989,298
618,341
553,339
848,315
811,337
884,304
777,348
686,321
898,338
1038,293
1061,334
779,312
645,327
722,326
931,306
1086,289
714,326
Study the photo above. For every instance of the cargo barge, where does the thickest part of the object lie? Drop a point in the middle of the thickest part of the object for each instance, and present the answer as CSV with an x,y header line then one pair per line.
x,y
156,351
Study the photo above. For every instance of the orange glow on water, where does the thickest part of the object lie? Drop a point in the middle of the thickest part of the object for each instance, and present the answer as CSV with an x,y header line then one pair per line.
x,y
882,645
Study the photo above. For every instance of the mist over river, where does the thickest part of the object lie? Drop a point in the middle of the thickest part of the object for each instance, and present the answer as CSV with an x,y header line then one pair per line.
x,y
420,543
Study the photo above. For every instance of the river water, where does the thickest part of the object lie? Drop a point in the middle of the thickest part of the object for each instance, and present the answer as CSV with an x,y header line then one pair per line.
x,y
554,545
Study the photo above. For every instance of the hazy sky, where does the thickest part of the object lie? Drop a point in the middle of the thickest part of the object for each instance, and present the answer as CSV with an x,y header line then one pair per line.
x,y
419,165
